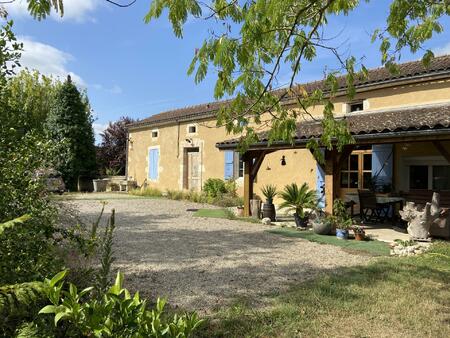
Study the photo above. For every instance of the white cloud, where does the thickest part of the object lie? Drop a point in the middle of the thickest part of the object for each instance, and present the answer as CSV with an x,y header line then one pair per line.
x,y
442,50
113,90
47,59
74,10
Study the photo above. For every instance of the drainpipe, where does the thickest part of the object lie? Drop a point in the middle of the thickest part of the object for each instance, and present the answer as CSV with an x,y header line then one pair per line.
x,y
178,139
126,159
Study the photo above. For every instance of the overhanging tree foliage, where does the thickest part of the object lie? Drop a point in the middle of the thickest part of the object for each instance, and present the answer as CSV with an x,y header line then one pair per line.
x,y
70,120
112,153
251,41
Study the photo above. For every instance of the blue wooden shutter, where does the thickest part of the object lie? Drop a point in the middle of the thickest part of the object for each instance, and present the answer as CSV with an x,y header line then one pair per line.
x,y
382,164
320,184
229,164
153,158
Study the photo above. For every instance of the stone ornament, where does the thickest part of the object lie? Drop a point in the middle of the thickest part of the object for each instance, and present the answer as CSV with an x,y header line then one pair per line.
x,y
421,218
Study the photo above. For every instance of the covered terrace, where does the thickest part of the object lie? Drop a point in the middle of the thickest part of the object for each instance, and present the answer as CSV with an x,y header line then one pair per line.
x,y
422,128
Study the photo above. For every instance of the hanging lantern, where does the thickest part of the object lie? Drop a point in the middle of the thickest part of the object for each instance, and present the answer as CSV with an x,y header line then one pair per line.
x,y
283,160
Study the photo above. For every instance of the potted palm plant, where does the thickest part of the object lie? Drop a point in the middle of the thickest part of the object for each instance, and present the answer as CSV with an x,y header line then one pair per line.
x,y
298,199
269,191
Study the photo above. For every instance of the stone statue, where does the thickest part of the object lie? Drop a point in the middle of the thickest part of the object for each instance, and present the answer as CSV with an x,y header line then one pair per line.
x,y
420,218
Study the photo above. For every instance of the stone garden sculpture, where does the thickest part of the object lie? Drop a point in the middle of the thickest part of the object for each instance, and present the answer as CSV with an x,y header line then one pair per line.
x,y
421,218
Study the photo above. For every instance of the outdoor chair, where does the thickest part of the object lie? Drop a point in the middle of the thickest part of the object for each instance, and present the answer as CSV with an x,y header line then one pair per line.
x,y
370,209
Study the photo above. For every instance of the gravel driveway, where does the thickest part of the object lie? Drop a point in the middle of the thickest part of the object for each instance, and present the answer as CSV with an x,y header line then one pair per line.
x,y
205,263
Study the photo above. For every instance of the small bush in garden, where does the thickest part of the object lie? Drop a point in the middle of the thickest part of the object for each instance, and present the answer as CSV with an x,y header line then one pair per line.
x,y
149,192
116,313
228,200
175,195
231,187
215,187
196,197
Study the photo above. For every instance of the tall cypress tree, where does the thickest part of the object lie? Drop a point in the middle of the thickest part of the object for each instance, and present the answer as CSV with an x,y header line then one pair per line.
x,y
70,121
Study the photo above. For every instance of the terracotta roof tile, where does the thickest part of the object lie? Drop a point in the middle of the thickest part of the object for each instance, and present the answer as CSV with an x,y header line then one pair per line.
x,y
424,117
376,76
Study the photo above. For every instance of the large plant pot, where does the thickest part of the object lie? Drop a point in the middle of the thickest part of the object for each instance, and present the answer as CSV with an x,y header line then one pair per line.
x,y
360,237
268,211
300,222
321,227
240,212
99,185
342,233
255,208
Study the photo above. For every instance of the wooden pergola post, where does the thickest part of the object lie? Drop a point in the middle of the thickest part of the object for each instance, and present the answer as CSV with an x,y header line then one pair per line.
x,y
252,163
248,184
334,161
330,187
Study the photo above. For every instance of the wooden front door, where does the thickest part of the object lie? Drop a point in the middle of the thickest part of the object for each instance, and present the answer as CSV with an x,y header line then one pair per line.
x,y
193,169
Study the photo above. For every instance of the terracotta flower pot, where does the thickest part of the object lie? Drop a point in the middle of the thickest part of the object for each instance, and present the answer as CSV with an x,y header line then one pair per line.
x,y
359,236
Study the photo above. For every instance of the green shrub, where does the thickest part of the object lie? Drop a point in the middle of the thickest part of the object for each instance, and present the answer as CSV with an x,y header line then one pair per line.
x,y
231,187
19,302
116,313
148,192
175,195
26,252
228,200
214,187
197,197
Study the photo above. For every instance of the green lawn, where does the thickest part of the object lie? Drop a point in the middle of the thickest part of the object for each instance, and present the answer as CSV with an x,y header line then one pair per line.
x,y
223,213
212,213
372,247
391,297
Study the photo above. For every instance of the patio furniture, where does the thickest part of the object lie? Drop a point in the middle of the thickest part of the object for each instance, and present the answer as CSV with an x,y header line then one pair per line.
x,y
370,209
395,203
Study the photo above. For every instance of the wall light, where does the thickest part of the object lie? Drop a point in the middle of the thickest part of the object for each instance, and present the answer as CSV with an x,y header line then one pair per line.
x,y
283,160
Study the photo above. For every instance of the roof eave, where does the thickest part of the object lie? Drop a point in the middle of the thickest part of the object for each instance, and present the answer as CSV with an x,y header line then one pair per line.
x,y
382,137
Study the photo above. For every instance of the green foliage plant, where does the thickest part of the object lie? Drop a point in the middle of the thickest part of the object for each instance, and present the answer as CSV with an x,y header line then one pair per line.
x,y
270,192
298,199
106,255
112,171
115,314
340,218
214,187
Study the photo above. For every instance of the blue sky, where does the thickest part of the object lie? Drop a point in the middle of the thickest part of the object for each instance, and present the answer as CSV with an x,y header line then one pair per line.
x,y
134,69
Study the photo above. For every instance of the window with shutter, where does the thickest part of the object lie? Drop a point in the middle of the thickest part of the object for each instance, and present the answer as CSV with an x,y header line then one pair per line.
x,y
153,163
229,165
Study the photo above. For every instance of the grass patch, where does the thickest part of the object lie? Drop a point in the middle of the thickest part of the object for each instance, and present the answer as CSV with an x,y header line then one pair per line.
x,y
391,297
212,213
223,213
373,247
